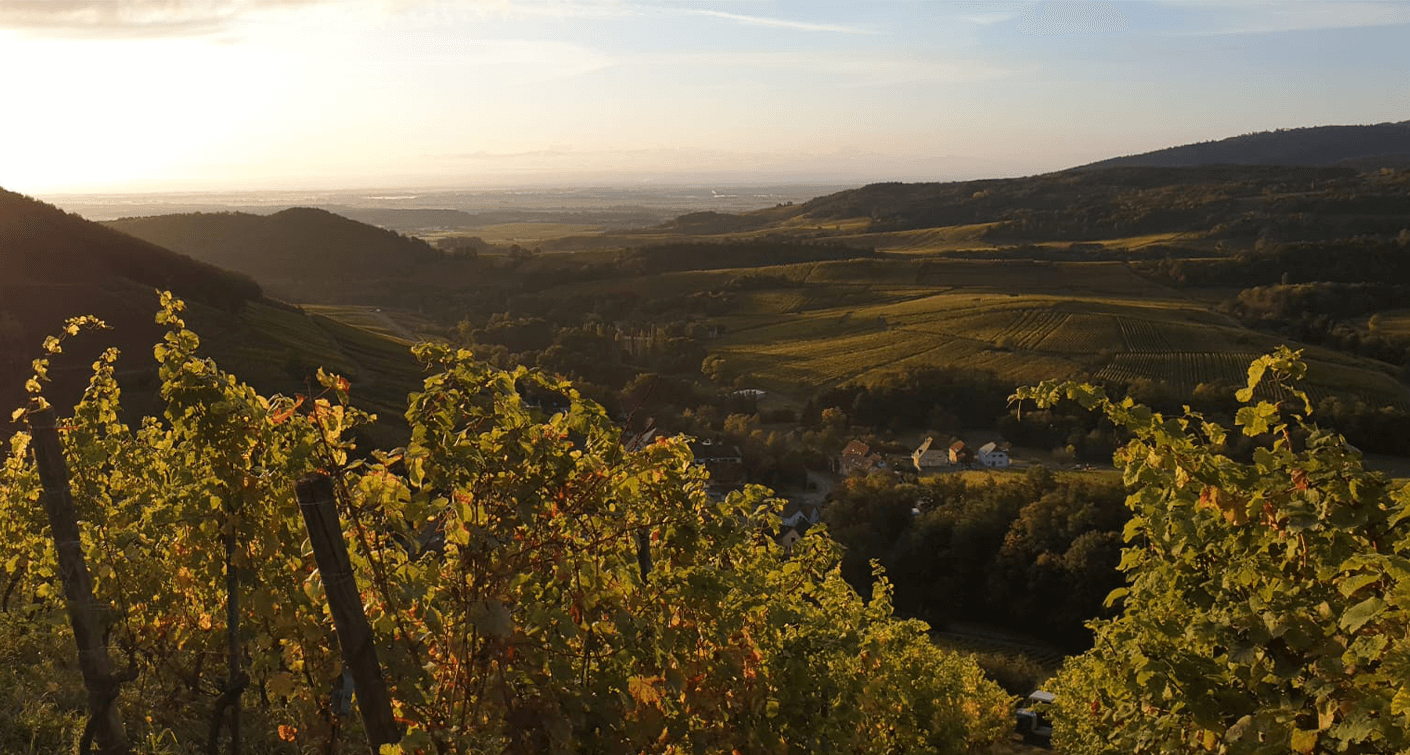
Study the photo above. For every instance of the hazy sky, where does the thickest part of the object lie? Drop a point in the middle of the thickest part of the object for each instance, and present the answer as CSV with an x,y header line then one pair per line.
x,y
230,94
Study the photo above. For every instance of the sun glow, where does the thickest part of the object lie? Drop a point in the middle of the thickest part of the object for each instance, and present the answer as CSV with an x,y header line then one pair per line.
x,y
104,114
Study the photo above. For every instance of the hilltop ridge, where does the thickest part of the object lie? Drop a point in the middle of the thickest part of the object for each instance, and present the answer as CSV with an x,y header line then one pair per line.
x,y
292,252
1369,146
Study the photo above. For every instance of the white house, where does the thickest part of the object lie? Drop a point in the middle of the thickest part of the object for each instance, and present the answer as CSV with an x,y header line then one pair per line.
x,y
990,455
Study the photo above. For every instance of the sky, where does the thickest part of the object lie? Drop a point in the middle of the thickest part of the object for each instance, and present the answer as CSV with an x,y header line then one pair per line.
x,y
193,95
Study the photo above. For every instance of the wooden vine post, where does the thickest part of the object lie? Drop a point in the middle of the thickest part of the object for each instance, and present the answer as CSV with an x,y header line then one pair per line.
x,y
105,723
325,533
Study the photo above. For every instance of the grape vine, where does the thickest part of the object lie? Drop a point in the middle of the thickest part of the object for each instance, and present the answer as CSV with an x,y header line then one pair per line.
x,y
532,585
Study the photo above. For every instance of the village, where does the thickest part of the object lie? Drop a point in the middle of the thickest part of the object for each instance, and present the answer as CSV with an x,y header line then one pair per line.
x,y
724,462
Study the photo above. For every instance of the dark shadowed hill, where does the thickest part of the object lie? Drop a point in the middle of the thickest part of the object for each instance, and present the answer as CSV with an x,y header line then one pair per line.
x,y
1379,145
54,266
292,253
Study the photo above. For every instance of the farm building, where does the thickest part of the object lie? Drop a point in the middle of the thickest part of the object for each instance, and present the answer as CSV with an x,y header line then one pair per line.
x,y
990,455
926,457
857,458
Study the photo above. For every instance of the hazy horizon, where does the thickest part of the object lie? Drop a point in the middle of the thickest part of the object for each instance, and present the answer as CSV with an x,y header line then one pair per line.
x,y
664,200
142,96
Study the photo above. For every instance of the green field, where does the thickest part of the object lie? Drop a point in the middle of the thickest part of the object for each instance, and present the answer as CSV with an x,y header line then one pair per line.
x,y
1023,321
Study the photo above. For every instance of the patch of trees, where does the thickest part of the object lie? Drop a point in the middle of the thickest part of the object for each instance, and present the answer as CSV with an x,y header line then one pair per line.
x,y
1365,259
708,223
1021,552
606,360
1329,314
937,398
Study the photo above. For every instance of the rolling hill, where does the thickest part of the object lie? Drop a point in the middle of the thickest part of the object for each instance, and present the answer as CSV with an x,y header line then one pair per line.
x,y
300,254
1122,275
54,266
1372,146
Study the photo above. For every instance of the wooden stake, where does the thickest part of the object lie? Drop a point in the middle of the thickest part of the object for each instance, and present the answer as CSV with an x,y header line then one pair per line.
x,y
93,662
325,533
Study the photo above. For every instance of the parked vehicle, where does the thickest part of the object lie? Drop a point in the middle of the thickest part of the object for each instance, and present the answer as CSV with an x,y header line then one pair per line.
x,y
1032,719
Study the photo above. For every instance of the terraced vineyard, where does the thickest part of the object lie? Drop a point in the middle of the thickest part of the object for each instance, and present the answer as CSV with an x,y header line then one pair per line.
x,y
1031,327
1143,335
1025,323
1082,333
1183,370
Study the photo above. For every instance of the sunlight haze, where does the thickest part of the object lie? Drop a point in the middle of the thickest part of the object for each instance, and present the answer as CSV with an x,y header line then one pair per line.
x,y
142,95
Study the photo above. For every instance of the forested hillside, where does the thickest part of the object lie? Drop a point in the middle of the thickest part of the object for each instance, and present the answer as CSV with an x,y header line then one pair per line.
x,y
295,251
1376,146
54,266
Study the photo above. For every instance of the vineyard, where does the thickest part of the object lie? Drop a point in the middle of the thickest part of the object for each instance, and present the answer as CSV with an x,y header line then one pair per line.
x,y
236,575
1025,322
1185,370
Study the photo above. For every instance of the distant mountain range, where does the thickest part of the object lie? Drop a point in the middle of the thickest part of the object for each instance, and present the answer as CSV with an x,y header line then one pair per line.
x,y
1374,146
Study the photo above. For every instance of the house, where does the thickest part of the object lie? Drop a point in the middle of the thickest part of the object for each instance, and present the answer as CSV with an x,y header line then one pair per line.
x,y
926,457
800,516
857,458
794,521
788,539
990,455
722,460
961,454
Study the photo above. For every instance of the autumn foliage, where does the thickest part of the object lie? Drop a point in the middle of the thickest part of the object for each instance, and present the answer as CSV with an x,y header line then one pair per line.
x,y
533,585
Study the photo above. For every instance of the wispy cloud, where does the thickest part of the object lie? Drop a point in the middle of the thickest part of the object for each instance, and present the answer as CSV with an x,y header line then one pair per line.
x,y
846,70
131,18
1251,17
996,17
521,9
1053,18
779,23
